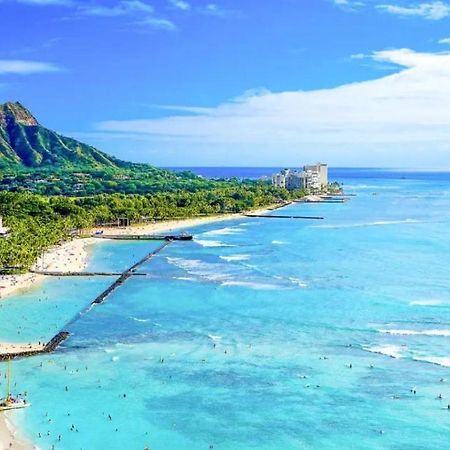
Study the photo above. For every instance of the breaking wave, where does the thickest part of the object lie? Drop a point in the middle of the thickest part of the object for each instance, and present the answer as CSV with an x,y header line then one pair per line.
x,y
438,360
235,257
207,243
224,231
426,303
394,351
368,224
251,285
139,320
444,333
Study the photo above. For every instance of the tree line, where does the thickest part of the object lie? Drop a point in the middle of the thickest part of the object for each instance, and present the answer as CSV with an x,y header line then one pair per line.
x,y
39,222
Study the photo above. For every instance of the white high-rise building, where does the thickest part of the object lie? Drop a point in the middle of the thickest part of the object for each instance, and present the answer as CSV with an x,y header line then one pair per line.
x,y
313,178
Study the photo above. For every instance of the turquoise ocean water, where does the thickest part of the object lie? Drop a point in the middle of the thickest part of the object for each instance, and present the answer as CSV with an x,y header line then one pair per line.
x,y
261,334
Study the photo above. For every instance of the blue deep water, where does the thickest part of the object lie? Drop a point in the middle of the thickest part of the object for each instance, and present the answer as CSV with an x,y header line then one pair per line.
x,y
260,334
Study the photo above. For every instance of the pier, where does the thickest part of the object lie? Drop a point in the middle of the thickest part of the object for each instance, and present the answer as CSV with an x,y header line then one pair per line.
x,y
145,237
128,273
275,216
24,350
80,274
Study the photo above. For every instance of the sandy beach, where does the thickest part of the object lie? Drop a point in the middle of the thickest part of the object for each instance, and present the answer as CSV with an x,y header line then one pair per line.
x,y
68,257
72,256
10,439
168,226
7,348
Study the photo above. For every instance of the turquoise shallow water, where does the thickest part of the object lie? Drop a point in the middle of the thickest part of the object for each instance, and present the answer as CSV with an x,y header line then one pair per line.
x,y
260,334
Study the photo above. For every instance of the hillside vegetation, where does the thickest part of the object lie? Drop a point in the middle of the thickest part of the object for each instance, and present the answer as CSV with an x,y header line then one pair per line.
x,y
51,185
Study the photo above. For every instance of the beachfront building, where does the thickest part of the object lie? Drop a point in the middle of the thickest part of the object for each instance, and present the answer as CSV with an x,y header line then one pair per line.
x,y
289,179
316,177
279,179
313,178
3,230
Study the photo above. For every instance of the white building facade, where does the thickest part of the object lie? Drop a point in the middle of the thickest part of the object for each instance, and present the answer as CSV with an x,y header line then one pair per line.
x,y
313,178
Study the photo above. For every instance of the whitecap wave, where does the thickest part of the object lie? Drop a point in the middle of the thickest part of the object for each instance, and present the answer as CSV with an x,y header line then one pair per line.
x,y
444,333
224,273
350,187
208,243
136,319
251,285
186,278
280,242
394,351
200,269
368,224
298,282
214,338
438,360
224,231
426,302
235,257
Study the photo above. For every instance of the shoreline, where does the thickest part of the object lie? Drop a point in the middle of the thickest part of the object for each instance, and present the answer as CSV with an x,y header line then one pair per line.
x,y
72,256
10,436
166,226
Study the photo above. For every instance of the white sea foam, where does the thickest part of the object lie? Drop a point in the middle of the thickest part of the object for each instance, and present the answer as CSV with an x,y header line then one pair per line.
x,y
426,302
394,351
139,320
298,282
371,186
445,333
208,243
251,285
235,257
115,358
368,224
186,278
223,273
223,231
211,272
280,243
438,360
214,338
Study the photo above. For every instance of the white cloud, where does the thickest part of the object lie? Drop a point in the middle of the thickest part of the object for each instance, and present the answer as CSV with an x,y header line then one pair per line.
x,y
180,4
349,4
142,12
47,2
158,23
432,11
22,67
122,8
213,9
402,117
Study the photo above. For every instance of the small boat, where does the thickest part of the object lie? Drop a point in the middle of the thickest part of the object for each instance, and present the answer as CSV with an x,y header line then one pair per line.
x,y
10,402
13,403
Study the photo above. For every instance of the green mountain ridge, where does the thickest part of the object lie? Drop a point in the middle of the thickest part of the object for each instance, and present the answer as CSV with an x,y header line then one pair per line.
x,y
24,142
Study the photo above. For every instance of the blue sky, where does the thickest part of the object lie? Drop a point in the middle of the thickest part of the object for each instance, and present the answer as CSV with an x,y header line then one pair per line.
x,y
237,83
